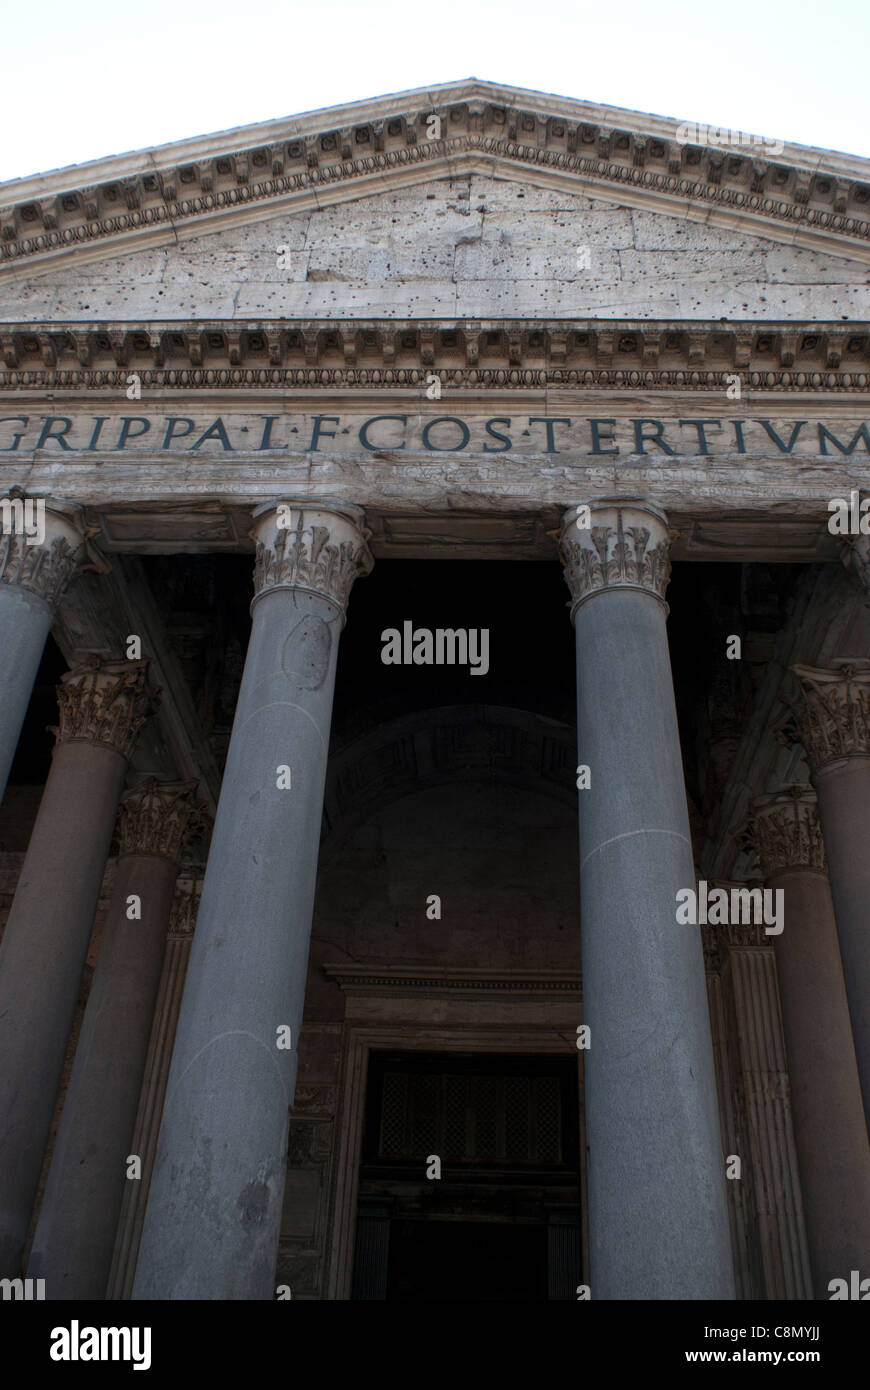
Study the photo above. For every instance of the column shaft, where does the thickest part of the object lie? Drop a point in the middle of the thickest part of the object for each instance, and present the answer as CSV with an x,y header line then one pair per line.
x,y
212,1224
46,938
25,621
833,723
75,1233
657,1213
33,575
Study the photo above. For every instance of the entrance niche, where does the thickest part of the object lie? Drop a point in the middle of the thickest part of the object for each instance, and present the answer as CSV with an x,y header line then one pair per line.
x,y
502,1222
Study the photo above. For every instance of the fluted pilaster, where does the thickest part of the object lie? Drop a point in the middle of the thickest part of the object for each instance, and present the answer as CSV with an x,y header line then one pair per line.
x,y
830,1132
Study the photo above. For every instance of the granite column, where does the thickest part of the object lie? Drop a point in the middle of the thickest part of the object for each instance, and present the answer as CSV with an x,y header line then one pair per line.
x,y
832,720
75,1233
41,543
658,1220
102,708
212,1222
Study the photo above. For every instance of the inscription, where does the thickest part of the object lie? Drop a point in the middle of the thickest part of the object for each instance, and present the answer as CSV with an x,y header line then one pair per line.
x,y
586,436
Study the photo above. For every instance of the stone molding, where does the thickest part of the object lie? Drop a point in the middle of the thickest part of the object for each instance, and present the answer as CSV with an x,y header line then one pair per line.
x,y
105,702
786,832
627,547
159,818
43,568
484,128
321,549
374,979
831,716
467,355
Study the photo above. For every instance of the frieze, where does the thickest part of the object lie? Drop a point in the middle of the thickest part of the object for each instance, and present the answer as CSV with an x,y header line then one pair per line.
x,y
463,355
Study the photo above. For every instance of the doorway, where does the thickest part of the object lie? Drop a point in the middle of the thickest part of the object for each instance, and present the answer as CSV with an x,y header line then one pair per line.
x,y
469,1181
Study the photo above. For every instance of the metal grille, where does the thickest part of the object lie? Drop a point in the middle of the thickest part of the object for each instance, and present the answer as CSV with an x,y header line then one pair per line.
x,y
509,1118
486,1110
516,1116
455,1106
425,1097
394,1115
548,1115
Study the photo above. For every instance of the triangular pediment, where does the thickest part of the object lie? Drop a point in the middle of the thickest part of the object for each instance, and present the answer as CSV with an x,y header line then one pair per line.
x,y
469,247
786,194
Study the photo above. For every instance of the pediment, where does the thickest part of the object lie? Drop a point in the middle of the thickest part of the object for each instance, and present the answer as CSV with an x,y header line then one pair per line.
x,y
787,194
469,247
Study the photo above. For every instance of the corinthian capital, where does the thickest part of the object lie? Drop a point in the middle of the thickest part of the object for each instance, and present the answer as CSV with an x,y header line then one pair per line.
x,y
42,544
626,546
786,832
832,713
317,547
159,818
105,702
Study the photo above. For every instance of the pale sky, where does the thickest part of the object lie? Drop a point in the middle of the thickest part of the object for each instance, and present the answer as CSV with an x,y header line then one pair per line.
x,y
87,78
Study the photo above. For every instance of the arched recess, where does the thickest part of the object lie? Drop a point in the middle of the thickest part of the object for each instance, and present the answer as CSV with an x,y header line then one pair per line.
x,y
451,743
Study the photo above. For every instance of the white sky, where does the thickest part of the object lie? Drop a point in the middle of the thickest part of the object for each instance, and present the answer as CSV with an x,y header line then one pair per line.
x,y
87,78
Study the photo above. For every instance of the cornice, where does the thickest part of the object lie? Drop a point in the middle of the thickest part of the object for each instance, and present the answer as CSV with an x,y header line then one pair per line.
x,y
806,196
465,355
382,979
